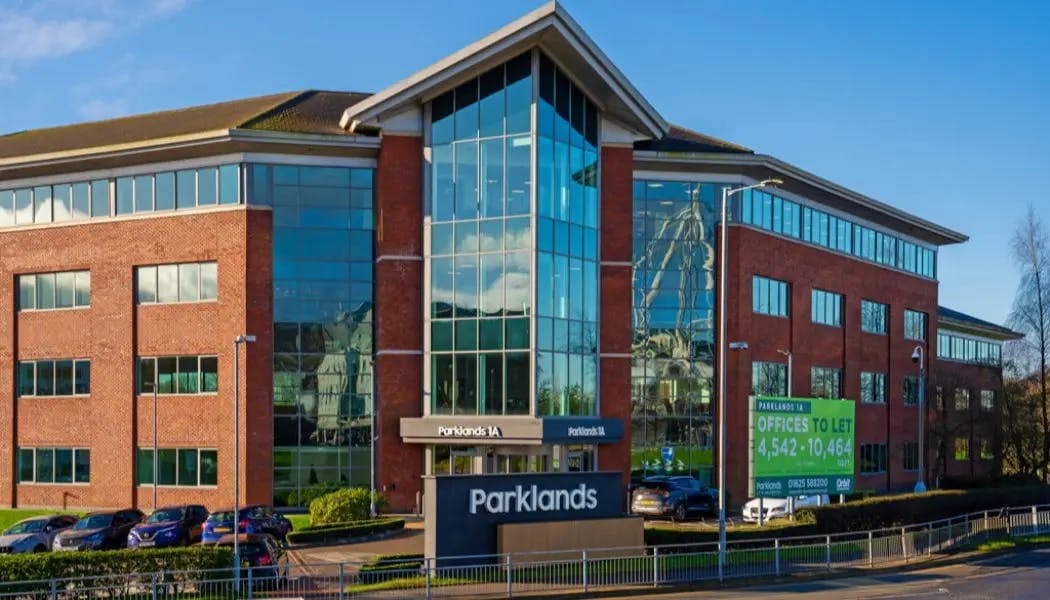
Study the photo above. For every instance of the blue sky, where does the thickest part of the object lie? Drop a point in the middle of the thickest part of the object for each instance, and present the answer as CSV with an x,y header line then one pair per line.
x,y
937,107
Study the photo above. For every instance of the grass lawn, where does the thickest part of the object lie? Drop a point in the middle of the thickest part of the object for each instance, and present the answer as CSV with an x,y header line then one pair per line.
x,y
299,522
10,516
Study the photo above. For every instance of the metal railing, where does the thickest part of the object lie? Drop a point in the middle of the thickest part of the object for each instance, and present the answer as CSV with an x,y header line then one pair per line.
x,y
536,573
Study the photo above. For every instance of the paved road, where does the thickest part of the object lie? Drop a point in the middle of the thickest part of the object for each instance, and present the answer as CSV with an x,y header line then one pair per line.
x,y
1021,576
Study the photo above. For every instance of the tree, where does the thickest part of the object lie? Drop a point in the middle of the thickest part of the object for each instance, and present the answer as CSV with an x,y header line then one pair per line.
x,y
1021,447
1030,249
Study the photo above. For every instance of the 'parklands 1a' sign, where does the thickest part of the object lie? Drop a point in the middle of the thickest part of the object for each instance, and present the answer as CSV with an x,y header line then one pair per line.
x,y
801,446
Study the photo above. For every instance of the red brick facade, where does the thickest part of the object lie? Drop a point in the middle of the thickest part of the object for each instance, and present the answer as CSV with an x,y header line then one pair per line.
x,y
949,420
804,267
399,315
113,331
615,318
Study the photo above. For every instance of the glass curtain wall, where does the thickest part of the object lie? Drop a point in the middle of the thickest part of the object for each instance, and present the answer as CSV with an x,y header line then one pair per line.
x,y
323,327
567,247
488,244
673,302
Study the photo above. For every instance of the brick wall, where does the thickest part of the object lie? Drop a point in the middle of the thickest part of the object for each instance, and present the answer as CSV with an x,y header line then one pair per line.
x,y
113,421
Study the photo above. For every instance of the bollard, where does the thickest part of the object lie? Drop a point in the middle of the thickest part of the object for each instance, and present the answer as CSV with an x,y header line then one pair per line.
x,y
776,555
656,566
929,539
871,551
427,566
585,587
510,578
1009,533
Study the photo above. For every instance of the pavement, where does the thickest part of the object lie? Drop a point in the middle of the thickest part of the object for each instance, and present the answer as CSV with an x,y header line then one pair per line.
x,y
1015,576
407,541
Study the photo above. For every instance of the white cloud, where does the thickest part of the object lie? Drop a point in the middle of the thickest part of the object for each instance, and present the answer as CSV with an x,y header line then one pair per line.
x,y
25,38
53,29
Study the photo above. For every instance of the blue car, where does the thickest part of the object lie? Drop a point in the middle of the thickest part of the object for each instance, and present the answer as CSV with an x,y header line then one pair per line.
x,y
171,526
256,518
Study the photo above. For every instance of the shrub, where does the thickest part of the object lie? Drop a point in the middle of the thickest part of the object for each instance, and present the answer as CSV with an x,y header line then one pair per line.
x,y
117,564
342,506
342,531
908,509
305,496
390,566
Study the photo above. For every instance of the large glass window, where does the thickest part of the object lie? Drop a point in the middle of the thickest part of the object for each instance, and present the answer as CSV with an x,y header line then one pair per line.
x,y
785,217
323,324
915,325
50,291
967,349
768,379
185,282
673,309
54,377
873,387
54,465
872,458
826,382
148,192
178,374
911,390
770,297
826,308
910,456
872,316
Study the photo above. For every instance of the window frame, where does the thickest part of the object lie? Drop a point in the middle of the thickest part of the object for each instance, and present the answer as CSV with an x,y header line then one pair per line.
x,y
76,362
770,289
76,275
149,275
830,305
176,375
873,453
75,452
866,307
144,459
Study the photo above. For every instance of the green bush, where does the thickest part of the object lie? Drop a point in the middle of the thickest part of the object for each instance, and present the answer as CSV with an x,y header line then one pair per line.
x,y
305,496
909,509
342,506
119,564
342,531
390,566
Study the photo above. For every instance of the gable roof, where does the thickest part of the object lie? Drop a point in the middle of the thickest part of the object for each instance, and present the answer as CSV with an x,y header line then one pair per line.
x,y
308,111
549,27
956,320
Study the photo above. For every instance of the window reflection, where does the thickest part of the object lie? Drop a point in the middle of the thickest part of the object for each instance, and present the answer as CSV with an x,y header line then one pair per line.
x,y
323,326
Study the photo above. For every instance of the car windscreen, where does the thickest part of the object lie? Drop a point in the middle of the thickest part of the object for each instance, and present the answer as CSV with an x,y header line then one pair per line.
x,y
653,486
94,522
34,526
166,514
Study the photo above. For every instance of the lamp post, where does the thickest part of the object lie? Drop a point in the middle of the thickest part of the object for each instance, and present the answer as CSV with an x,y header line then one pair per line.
x,y
787,353
919,356
241,339
722,345
155,460
790,499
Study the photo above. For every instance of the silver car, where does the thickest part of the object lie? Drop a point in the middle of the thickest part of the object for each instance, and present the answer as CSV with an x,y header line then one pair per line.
x,y
35,534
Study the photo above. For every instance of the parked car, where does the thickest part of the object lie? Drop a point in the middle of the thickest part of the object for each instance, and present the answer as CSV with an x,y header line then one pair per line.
x,y
777,508
256,518
171,526
263,555
676,497
35,534
106,530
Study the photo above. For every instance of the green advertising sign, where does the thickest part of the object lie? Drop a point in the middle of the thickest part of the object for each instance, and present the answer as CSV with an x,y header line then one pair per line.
x,y
801,446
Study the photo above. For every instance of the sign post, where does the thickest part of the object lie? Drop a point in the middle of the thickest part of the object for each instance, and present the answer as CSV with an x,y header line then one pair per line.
x,y
801,446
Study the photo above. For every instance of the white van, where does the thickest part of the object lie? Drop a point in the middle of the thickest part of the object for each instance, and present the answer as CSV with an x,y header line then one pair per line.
x,y
776,508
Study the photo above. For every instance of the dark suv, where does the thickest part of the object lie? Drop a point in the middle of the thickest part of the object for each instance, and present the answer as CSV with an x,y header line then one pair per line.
x,y
171,526
675,497
256,518
107,530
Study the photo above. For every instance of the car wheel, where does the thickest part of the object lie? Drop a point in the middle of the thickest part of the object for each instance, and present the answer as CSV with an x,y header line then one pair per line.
x,y
40,548
680,513
184,540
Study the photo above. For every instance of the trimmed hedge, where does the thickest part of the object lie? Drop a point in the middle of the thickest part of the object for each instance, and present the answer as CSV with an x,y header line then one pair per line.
x,y
305,496
909,509
659,536
390,566
343,506
342,531
116,563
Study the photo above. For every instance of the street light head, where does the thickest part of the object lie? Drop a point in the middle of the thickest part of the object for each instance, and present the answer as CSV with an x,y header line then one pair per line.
x,y
916,355
242,339
773,181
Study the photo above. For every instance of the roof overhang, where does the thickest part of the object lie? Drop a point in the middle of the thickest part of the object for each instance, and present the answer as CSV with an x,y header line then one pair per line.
x,y
550,28
806,184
